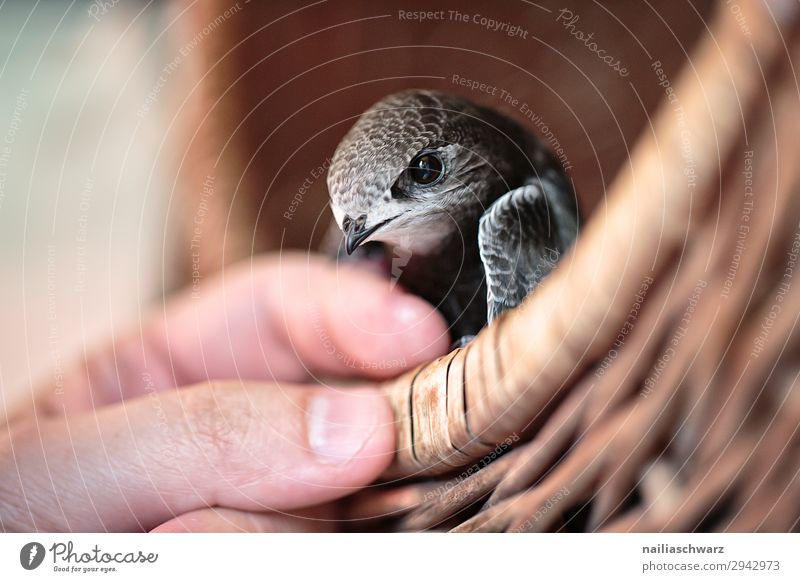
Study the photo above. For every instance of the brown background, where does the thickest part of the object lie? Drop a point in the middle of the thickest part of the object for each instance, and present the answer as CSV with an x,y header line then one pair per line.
x,y
271,93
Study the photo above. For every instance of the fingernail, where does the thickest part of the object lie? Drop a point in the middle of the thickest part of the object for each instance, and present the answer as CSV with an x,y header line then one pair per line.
x,y
422,329
341,422
408,310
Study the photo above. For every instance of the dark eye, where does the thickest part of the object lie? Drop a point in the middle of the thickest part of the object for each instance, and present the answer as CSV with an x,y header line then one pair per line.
x,y
426,168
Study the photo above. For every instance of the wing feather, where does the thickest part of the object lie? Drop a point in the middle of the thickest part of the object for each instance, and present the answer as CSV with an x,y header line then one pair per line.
x,y
521,237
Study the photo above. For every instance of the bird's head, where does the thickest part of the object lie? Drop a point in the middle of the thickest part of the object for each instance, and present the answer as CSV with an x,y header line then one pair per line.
x,y
416,164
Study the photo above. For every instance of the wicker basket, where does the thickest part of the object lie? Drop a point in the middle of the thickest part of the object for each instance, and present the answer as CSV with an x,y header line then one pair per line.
x,y
651,384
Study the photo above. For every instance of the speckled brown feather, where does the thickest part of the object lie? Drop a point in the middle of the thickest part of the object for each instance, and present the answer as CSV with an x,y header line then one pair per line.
x,y
490,156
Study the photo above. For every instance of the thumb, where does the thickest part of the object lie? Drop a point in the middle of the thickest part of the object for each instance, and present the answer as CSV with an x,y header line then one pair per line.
x,y
254,447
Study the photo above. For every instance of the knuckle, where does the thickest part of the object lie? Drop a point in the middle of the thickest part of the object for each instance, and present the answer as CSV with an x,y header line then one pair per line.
x,y
219,419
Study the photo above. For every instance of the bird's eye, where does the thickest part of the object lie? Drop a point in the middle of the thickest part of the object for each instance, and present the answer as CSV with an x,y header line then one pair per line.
x,y
426,168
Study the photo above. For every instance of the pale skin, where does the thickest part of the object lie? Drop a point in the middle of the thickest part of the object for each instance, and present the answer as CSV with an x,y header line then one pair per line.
x,y
219,412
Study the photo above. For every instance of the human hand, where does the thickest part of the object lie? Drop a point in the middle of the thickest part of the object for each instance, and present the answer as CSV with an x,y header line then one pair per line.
x,y
117,448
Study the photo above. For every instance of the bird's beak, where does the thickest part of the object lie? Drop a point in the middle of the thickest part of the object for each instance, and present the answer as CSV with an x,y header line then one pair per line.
x,y
357,233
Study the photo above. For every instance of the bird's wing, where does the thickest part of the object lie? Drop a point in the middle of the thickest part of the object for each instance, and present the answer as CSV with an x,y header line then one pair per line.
x,y
520,243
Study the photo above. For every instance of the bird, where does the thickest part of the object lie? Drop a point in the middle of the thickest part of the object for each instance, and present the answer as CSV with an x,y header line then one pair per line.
x,y
475,205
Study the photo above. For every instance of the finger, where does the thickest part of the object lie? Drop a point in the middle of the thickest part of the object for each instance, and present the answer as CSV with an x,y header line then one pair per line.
x,y
296,316
223,520
138,464
291,318
347,321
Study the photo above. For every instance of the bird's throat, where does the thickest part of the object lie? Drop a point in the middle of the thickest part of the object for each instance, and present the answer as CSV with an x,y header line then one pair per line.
x,y
450,277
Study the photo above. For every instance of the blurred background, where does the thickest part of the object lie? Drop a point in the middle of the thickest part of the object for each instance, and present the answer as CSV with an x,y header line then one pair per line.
x,y
83,187
148,144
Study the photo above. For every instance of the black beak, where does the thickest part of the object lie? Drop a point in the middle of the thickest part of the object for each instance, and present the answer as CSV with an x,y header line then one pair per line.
x,y
355,233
